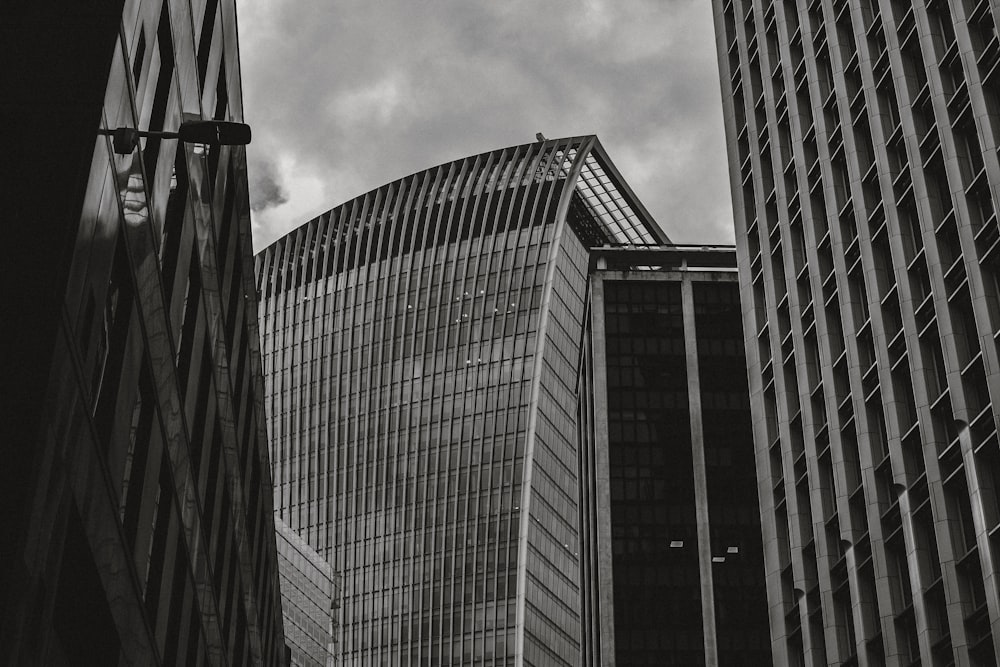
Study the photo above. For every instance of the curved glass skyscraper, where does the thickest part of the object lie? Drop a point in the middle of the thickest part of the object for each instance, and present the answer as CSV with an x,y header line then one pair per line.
x,y
421,349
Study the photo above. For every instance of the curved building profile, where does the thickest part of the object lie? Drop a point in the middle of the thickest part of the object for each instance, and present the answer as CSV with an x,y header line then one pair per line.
x,y
421,348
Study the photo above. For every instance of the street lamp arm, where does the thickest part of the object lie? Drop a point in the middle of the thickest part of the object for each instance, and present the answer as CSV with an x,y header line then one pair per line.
x,y
211,132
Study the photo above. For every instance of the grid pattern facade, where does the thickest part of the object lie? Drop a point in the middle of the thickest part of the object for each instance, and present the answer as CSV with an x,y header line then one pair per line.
x,y
672,556
419,362
309,592
863,141
142,530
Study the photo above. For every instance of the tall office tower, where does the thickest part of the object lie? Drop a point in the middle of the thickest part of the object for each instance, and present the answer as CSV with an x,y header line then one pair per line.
x,y
135,485
863,143
672,564
310,591
421,347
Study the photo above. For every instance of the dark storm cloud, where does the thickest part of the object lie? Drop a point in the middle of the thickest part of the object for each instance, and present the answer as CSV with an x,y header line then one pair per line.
x,y
265,190
346,96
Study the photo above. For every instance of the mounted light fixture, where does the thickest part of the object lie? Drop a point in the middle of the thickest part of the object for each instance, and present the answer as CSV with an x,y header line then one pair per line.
x,y
211,132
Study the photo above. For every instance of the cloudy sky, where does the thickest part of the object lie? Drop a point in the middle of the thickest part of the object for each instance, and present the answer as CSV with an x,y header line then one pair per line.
x,y
347,95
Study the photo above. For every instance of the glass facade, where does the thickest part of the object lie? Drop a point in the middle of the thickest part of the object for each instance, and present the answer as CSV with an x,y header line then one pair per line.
x,y
863,144
738,586
421,347
136,482
310,591
672,565
654,531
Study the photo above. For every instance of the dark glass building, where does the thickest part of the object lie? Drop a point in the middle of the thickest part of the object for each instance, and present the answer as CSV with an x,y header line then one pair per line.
x,y
135,486
863,144
421,347
672,566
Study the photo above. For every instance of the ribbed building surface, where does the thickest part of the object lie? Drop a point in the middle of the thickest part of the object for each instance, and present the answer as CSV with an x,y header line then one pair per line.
x,y
863,143
135,489
310,595
421,348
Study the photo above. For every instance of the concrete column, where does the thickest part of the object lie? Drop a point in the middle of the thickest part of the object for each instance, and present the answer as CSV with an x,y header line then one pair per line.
x,y
602,483
700,477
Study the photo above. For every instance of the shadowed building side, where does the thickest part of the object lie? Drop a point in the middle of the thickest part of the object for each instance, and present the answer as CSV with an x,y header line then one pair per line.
x,y
137,523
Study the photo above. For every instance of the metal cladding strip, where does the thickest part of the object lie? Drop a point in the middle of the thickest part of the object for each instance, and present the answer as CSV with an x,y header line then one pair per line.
x,y
307,386
484,260
306,305
464,280
550,211
448,422
464,525
529,271
514,391
586,471
504,196
321,300
594,352
361,393
445,422
290,351
354,340
410,512
505,232
395,448
289,385
316,292
327,435
425,512
379,413
367,277
332,408
349,220
550,154
510,233
481,203
441,230
454,594
524,529
215,321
